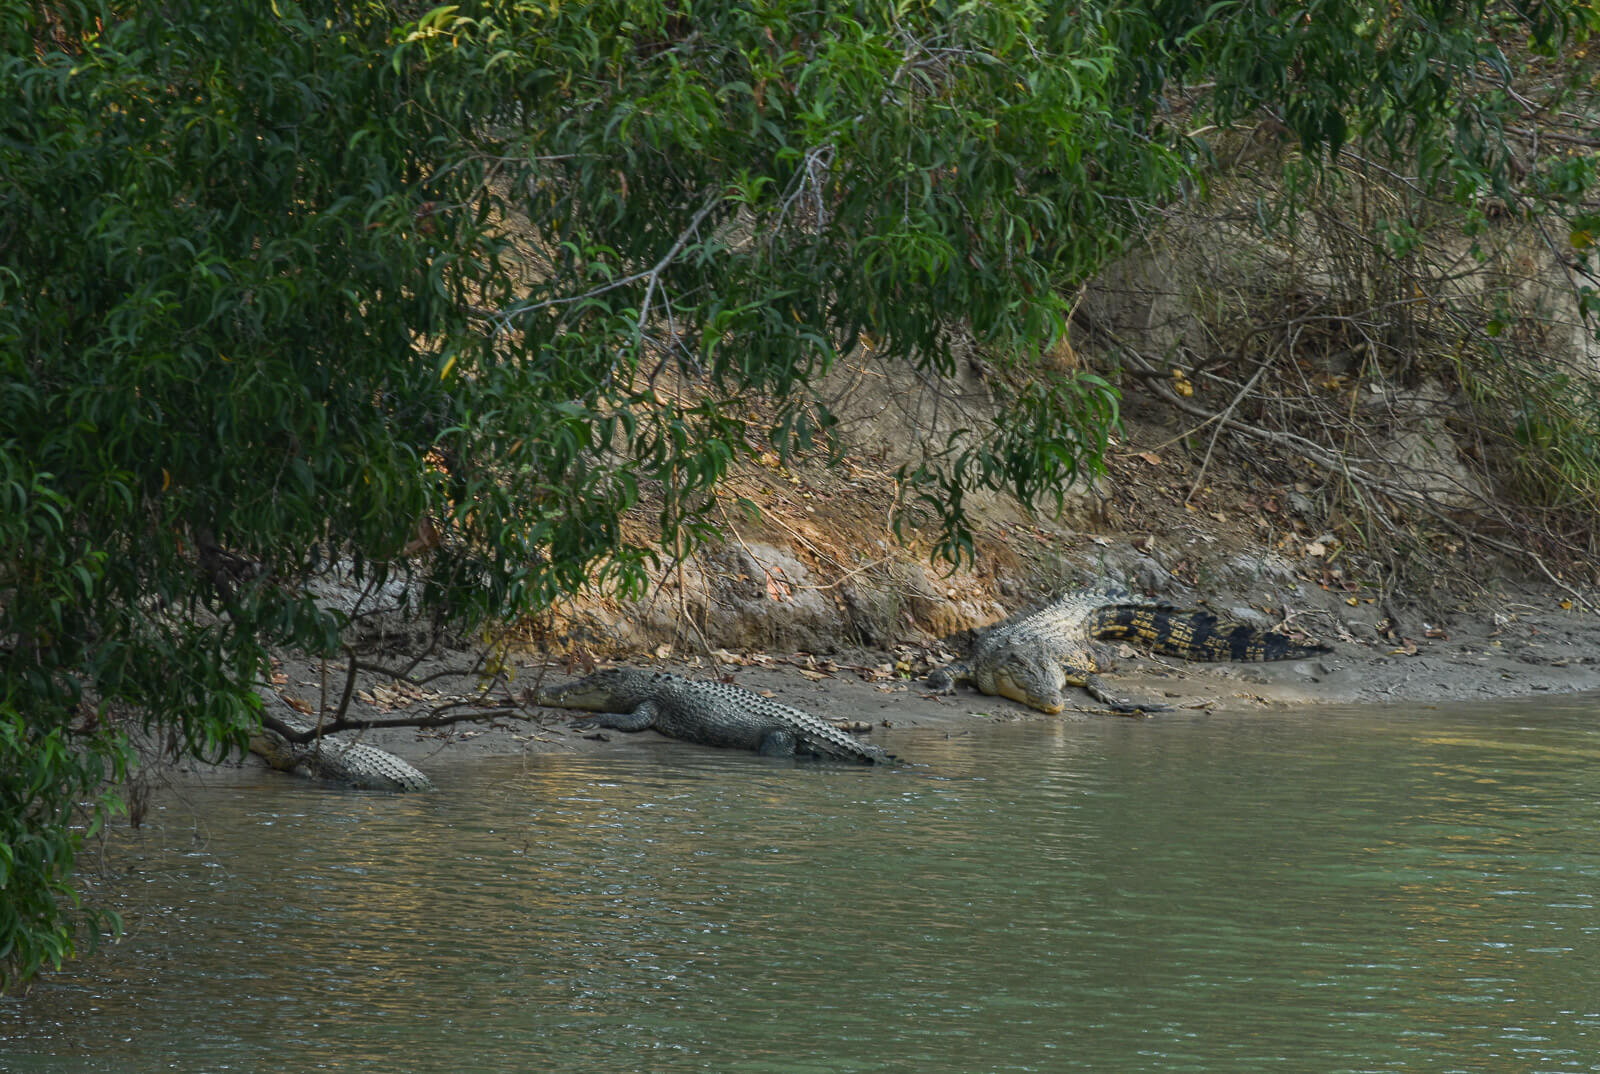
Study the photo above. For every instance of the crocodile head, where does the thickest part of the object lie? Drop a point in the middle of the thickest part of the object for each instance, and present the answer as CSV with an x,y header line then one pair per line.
x,y
1035,683
274,749
613,690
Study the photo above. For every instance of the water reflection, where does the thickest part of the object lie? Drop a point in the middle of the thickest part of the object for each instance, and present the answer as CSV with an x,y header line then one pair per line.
x,y
1350,890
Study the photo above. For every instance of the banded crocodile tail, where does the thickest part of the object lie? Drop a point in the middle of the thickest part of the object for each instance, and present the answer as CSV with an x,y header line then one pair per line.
x,y
1195,635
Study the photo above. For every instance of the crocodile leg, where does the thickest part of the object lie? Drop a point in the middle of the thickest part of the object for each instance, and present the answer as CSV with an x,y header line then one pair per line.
x,y
943,680
779,744
640,719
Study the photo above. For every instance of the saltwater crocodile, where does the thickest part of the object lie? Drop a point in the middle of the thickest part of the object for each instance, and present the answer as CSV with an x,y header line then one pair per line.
x,y
710,713
1034,658
353,764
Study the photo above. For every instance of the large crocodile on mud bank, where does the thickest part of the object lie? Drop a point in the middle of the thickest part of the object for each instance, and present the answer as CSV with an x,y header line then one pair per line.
x,y
1033,659
710,713
353,764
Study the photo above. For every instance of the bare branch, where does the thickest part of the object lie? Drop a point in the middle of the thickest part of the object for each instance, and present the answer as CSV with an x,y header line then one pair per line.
x,y
434,718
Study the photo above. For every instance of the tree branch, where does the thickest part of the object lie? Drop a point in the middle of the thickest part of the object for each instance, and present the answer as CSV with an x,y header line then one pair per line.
x,y
435,718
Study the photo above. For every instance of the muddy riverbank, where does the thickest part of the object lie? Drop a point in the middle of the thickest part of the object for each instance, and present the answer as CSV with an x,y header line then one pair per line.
x,y
1522,650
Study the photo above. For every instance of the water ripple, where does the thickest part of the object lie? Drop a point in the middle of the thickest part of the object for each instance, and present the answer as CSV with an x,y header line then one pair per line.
x,y
1346,891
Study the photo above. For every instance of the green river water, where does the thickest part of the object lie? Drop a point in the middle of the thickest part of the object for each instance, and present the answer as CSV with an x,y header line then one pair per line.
x,y
1341,890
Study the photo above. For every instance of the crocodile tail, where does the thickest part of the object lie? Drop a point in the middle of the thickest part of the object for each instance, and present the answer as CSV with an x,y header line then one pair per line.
x,y
824,738
847,750
820,737
1195,635
830,741
1151,625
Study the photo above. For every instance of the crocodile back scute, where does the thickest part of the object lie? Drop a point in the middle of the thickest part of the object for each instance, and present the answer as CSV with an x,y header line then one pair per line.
x,y
735,703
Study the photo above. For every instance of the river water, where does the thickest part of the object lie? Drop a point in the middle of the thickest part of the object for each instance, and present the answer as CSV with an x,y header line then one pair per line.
x,y
1341,890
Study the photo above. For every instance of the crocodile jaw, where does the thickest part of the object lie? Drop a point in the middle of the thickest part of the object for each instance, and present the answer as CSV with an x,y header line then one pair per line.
x,y
614,690
588,697
1006,688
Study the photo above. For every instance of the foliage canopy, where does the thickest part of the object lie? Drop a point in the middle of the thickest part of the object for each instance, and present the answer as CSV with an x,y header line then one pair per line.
x,y
284,284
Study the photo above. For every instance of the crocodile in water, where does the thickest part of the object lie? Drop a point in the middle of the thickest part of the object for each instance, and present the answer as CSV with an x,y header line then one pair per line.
x,y
1034,658
710,713
353,764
